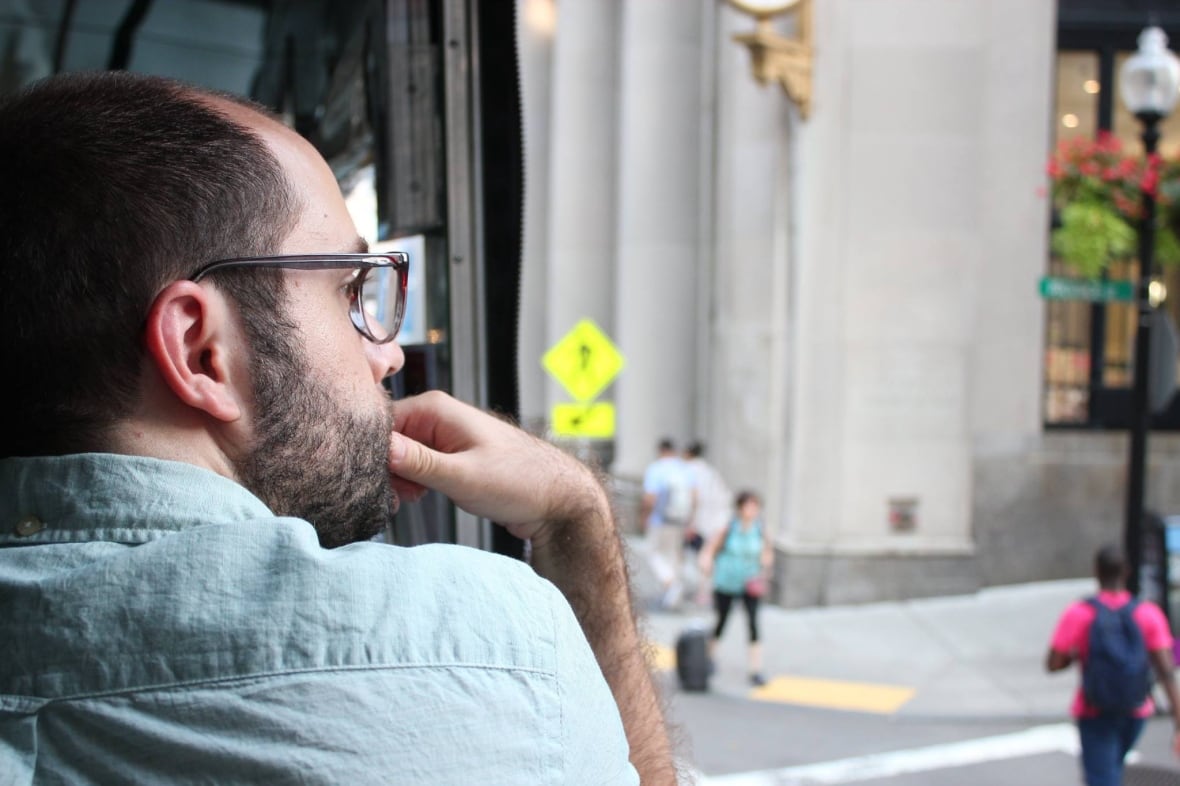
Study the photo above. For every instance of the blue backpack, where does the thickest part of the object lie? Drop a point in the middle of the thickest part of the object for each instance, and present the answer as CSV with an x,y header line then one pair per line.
x,y
1116,677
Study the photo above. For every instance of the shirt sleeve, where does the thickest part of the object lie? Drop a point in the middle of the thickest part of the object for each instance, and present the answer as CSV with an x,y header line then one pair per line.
x,y
1068,634
651,480
1153,623
594,743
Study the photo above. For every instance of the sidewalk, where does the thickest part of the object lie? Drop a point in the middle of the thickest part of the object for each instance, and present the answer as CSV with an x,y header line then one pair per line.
x,y
962,657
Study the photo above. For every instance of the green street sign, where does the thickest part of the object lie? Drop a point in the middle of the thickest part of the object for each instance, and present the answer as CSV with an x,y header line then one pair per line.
x,y
1055,288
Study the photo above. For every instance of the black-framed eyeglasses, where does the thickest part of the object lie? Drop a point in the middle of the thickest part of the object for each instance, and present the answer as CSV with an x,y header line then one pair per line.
x,y
397,261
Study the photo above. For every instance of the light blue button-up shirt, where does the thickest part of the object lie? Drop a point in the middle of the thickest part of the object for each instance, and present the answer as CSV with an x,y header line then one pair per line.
x,y
158,624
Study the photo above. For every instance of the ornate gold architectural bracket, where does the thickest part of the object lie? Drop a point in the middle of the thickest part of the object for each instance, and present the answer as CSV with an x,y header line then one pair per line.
x,y
776,58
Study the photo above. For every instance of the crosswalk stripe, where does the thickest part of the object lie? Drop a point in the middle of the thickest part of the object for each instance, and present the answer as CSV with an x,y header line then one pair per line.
x,y
835,694
1053,738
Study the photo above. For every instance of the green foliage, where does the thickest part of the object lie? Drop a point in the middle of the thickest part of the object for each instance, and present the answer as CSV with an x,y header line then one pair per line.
x,y
1090,236
1167,246
1098,190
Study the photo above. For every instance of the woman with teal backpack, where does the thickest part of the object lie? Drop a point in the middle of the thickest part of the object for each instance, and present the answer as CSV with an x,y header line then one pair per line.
x,y
738,557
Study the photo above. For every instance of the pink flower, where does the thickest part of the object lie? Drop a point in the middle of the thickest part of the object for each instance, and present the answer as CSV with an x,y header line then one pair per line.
x,y
1150,181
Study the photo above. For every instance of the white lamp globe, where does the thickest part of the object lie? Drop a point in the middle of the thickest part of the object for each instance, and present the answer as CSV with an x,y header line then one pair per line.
x,y
1149,82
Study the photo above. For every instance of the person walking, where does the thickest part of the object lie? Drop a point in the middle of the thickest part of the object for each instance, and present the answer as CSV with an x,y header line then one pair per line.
x,y
666,511
739,558
711,512
1118,642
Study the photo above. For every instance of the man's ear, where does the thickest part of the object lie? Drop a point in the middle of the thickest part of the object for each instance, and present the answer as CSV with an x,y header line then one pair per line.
x,y
192,339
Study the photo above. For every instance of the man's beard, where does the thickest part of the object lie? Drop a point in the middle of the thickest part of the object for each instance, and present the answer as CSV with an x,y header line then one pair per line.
x,y
311,457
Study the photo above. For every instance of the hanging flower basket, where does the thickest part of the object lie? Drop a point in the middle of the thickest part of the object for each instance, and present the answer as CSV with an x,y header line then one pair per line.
x,y
1097,201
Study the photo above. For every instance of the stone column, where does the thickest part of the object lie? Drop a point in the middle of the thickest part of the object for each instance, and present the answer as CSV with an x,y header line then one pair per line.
x,y
658,217
534,34
581,187
749,278
892,248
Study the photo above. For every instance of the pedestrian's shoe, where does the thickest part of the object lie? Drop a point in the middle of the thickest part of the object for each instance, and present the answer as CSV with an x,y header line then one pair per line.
x,y
757,680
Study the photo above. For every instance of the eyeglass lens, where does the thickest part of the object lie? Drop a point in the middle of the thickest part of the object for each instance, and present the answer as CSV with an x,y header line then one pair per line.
x,y
358,311
363,318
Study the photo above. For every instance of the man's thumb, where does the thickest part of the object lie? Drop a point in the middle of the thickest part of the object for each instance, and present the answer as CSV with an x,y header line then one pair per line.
x,y
411,460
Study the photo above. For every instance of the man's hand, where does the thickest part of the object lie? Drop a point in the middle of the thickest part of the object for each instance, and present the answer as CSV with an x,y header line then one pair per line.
x,y
488,467
1056,660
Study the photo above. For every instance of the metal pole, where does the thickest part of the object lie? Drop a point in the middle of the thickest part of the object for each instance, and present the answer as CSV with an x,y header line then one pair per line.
x,y
1140,412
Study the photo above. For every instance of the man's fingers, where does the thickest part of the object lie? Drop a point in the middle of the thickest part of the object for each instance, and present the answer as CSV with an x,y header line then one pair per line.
x,y
418,467
486,466
435,420
413,461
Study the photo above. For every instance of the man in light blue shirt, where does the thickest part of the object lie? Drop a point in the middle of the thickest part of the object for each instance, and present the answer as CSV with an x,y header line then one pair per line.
x,y
200,449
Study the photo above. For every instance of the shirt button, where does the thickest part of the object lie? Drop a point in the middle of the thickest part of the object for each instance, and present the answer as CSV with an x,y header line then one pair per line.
x,y
29,525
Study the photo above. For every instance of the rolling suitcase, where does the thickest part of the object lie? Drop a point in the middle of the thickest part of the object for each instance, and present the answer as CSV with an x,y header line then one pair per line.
x,y
692,660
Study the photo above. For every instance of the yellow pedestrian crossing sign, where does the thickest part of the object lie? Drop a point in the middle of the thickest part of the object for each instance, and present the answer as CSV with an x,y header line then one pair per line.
x,y
595,420
584,361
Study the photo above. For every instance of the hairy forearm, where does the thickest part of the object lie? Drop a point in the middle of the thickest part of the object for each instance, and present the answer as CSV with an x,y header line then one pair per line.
x,y
584,558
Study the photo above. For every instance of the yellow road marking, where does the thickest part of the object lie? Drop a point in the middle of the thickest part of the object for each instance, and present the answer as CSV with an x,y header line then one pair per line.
x,y
831,694
660,658
835,694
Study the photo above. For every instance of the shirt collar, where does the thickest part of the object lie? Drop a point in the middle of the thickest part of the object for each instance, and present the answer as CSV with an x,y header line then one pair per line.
x,y
104,496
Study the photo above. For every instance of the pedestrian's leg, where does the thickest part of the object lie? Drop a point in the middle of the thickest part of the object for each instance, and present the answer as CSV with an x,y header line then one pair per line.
x,y
669,544
703,591
1101,749
692,576
722,602
655,557
754,660
1129,731
675,547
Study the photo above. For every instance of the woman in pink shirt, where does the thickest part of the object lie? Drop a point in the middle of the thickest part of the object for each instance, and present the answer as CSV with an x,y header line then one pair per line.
x,y
1107,737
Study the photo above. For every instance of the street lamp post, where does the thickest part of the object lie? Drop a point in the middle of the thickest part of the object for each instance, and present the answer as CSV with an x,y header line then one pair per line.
x,y
1148,84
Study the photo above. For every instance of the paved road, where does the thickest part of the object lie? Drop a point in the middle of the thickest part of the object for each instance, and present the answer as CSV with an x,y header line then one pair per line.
x,y
742,742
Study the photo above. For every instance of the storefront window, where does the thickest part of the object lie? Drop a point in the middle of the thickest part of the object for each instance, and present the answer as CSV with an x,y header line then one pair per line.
x,y
1089,347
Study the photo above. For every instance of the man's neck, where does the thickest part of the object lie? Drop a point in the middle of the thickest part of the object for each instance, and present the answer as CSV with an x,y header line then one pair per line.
x,y
170,441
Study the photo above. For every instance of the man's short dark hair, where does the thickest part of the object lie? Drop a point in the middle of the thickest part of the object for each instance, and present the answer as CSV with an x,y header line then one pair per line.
x,y
1110,566
696,449
114,185
666,445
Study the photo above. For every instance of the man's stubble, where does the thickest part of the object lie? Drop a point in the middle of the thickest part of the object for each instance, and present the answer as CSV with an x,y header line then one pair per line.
x,y
312,456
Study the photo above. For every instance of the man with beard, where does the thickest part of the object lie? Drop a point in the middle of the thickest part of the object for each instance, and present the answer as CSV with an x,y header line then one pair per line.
x,y
198,421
